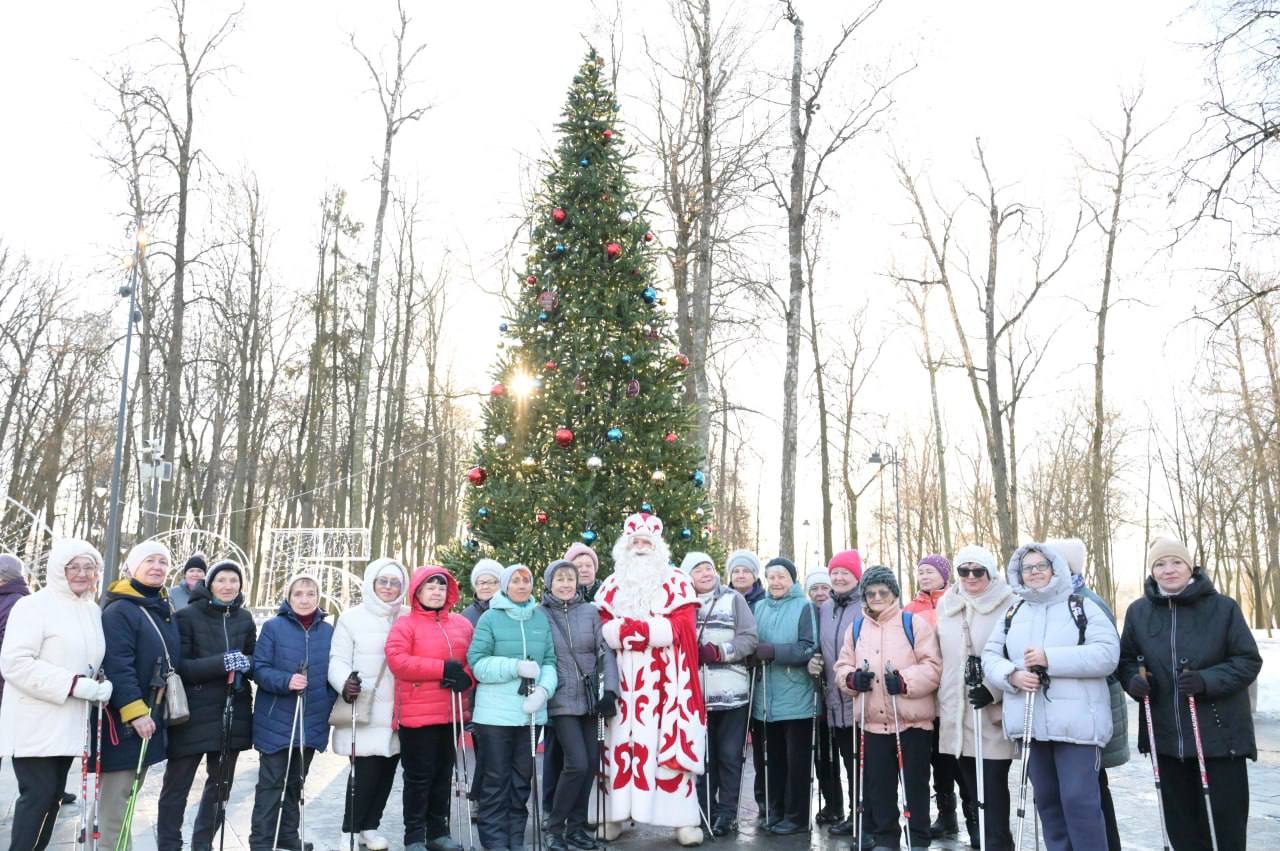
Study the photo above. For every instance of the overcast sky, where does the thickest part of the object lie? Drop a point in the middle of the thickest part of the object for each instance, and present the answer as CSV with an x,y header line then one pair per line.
x,y
1031,79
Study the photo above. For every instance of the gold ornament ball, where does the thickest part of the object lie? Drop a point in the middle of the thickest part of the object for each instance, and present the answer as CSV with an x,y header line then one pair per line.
x,y
658,477
529,462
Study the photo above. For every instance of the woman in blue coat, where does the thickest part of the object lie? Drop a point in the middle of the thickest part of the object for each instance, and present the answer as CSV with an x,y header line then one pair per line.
x,y
143,646
291,712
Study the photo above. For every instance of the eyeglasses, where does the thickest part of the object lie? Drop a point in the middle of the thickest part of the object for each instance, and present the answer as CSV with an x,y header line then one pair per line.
x,y
388,582
975,572
486,583
78,570
878,594
1038,567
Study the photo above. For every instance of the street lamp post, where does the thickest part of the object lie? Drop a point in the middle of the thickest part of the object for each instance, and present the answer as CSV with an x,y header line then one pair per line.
x,y
113,512
891,452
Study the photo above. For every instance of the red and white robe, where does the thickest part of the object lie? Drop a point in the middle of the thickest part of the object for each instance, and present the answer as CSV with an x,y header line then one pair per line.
x,y
656,744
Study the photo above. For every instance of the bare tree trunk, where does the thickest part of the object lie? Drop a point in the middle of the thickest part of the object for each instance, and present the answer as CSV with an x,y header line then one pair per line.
x,y
701,301
824,447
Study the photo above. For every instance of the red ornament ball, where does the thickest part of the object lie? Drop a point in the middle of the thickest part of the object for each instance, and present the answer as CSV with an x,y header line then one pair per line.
x,y
551,366
559,215
648,237
541,517
497,390
548,300
564,437
531,280
613,249
608,135
477,475
633,389
671,437
682,360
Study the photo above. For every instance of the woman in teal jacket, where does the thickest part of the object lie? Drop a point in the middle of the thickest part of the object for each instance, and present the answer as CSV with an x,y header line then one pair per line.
x,y
783,723
513,658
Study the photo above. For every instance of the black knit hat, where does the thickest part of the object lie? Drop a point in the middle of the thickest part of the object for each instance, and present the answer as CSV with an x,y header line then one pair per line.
x,y
197,561
218,567
784,562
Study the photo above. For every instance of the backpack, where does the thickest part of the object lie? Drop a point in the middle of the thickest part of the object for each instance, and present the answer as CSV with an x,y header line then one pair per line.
x,y
906,627
1075,603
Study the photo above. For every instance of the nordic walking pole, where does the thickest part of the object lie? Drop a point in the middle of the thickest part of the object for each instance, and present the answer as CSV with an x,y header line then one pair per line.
x,y
706,759
459,710
1204,775
224,755
746,737
973,679
97,780
124,839
288,759
1028,716
83,821
528,685
815,788
1151,751
351,778
862,759
904,808
764,733
602,769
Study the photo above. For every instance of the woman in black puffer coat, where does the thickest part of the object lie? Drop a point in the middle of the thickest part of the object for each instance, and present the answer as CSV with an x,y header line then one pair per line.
x,y
1191,640
218,638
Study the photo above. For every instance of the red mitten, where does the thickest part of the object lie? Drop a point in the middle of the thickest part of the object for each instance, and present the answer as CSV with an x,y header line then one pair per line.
x,y
634,634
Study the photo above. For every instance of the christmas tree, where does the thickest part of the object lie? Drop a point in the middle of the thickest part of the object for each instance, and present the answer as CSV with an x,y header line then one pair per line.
x,y
586,422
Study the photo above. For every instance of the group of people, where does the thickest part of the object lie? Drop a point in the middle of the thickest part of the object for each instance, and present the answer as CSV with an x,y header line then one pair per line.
x,y
646,689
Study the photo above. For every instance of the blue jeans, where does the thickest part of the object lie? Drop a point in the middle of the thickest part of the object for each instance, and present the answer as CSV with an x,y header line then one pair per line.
x,y
1065,777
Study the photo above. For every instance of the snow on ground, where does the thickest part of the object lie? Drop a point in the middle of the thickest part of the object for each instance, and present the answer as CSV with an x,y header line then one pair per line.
x,y
1268,697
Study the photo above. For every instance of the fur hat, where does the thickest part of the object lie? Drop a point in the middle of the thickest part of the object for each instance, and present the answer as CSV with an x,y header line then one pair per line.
x,y
880,575
643,525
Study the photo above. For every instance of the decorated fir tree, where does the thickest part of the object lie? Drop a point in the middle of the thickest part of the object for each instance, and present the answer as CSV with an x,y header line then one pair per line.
x,y
586,422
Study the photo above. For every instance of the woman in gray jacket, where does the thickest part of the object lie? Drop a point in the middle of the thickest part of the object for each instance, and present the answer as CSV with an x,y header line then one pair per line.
x,y
726,638
1056,649
588,676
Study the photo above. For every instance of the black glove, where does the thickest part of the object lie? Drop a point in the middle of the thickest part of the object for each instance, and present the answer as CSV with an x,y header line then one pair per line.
x,y
460,683
1191,682
861,681
454,675
764,652
607,705
351,688
980,696
1139,687
894,684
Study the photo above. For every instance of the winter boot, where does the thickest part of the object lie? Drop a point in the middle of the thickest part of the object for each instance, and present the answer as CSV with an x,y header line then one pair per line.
x,y
970,809
689,836
945,824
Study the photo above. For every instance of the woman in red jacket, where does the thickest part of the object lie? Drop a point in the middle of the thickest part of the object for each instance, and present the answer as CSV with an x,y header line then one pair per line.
x,y
427,653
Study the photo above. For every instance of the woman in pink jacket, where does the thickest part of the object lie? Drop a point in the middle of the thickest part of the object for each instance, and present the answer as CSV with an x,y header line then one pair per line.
x,y
427,653
891,654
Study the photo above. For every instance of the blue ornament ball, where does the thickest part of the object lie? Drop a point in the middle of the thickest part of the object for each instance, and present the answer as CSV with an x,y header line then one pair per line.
x,y
686,534
472,544
584,162
646,507
589,536
614,435
482,512
543,317
650,295
502,326
560,248
699,478
626,359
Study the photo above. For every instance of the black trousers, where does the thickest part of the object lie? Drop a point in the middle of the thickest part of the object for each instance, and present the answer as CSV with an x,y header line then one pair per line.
x,y
995,798
571,788
1108,812
179,776
427,754
1184,812
272,782
790,747
507,765
552,763
826,763
946,775
374,777
726,741
882,786
41,781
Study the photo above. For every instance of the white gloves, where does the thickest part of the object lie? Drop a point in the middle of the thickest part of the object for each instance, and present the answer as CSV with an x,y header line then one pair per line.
x,y
815,666
535,701
92,691
527,669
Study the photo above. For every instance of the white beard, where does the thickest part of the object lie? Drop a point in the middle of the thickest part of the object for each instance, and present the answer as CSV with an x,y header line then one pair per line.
x,y
638,577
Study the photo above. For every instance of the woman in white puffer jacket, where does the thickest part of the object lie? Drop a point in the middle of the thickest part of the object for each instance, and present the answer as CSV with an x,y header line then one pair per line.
x,y
359,646
53,647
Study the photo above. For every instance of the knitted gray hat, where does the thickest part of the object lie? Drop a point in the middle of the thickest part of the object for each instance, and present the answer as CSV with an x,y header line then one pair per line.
x,y
880,575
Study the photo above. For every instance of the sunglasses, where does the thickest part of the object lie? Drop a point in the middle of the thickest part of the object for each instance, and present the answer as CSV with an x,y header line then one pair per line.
x,y
878,594
976,572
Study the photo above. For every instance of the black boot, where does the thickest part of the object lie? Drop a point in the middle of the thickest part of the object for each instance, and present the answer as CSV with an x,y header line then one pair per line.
x,y
970,810
945,824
